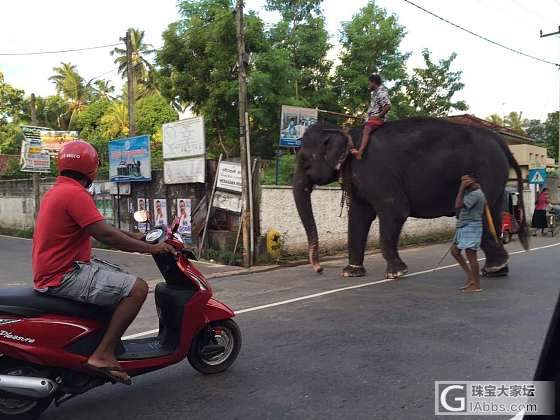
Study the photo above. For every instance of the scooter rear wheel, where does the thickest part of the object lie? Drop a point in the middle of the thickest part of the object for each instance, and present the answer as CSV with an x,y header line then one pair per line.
x,y
224,333
20,408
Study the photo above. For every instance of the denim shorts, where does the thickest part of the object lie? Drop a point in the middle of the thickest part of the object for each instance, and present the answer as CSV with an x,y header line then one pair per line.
x,y
97,282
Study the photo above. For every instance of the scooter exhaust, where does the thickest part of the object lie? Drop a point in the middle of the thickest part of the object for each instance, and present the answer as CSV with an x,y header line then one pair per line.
x,y
27,386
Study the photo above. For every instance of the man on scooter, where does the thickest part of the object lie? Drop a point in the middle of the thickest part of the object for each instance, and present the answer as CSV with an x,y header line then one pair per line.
x,y
62,262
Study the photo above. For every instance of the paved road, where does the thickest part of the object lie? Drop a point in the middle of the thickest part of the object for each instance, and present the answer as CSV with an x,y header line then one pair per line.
x,y
368,352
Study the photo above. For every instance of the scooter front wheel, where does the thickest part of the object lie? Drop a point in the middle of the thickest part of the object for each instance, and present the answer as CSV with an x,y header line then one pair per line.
x,y
216,347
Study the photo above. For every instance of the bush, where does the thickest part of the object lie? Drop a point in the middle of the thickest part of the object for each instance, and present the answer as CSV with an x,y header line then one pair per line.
x,y
286,172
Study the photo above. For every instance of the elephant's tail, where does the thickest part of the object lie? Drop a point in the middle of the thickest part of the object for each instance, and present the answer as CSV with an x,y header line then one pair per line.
x,y
523,228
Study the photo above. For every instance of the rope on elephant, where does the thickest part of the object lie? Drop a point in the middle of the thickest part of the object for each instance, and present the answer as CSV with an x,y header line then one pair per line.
x,y
346,186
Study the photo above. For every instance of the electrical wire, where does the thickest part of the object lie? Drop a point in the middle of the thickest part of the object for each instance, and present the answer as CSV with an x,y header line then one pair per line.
x,y
61,51
481,36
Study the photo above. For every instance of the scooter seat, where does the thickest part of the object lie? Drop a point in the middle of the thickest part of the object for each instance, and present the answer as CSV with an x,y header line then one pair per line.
x,y
26,302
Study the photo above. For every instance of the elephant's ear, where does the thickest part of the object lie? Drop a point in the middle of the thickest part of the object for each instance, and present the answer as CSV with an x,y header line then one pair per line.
x,y
336,146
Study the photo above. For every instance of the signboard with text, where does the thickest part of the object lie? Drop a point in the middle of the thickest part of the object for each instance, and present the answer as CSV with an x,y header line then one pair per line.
x,y
129,159
184,170
229,176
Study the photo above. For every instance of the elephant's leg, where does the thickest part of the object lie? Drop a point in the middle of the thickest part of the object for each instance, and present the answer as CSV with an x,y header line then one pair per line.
x,y
360,217
496,255
390,226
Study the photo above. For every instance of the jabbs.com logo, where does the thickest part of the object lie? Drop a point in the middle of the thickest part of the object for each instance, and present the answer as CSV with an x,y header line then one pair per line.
x,y
451,398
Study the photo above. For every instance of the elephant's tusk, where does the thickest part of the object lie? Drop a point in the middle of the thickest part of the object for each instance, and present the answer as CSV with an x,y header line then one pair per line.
x,y
490,221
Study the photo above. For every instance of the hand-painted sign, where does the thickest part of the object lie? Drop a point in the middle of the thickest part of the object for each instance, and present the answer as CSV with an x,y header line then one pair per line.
x,y
293,124
182,171
537,176
129,159
228,201
185,138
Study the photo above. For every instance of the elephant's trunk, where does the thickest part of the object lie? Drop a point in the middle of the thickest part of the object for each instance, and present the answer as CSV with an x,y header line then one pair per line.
x,y
302,195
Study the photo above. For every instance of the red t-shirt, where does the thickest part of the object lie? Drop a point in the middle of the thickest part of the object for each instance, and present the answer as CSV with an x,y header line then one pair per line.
x,y
59,238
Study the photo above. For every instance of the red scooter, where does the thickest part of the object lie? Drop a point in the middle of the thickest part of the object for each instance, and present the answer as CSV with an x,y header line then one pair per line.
x,y
44,341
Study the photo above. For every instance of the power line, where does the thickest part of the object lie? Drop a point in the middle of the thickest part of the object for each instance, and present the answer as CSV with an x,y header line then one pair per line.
x,y
481,36
61,51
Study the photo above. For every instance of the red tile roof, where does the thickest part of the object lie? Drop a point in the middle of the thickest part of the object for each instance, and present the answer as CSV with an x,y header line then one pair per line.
x,y
469,119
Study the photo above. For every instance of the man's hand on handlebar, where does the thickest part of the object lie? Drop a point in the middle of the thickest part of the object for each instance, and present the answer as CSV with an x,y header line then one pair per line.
x,y
163,248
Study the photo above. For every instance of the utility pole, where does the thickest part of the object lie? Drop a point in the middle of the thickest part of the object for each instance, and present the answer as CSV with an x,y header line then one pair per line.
x,y
544,36
130,81
35,175
246,220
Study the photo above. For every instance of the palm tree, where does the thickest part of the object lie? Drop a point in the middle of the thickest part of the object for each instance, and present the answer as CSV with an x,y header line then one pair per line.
x,y
115,120
514,121
72,87
141,68
103,89
495,119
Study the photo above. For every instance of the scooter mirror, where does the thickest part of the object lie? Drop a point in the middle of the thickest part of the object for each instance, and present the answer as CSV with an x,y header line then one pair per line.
x,y
141,216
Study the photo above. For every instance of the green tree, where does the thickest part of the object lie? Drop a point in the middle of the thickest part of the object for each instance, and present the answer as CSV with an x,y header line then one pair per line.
x,y
291,69
495,119
142,69
551,134
430,90
88,121
370,44
514,121
103,89
114,122
198,66
152,112
73,89
535,129
11,107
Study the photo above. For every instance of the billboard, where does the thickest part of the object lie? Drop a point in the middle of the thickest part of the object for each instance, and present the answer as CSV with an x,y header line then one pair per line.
x,y
129,159
294,122
33,157
53,140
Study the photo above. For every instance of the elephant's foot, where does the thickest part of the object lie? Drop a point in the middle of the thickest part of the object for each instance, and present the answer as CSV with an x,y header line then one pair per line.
x,y
495,267
353,271
394,271
504,271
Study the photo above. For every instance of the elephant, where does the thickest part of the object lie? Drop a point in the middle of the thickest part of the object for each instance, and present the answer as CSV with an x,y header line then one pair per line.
x,y
411,168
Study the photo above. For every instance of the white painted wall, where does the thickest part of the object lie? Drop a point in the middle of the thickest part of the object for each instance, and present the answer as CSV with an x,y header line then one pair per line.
x,y
16,212
278,211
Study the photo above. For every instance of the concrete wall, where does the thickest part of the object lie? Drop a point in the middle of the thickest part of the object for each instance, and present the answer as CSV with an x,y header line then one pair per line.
x,y
16,203
278,211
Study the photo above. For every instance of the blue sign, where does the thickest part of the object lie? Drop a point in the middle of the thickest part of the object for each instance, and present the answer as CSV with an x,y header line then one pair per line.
x,y
537,176
294,121
129,159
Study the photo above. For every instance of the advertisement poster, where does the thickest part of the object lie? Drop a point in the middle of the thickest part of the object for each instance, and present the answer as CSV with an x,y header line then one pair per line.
x,y
160,212
184,214
229,176
129,159
143,204
183,139
53,140
33,157
293,124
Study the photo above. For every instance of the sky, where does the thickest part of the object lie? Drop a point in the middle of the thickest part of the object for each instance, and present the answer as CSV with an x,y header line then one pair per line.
x,y
496,80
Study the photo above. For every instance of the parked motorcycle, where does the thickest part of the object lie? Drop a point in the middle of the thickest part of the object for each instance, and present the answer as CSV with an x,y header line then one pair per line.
x,y
45,340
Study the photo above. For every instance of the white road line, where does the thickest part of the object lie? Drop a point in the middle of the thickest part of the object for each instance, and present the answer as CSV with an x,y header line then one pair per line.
x,y
341,289
122,252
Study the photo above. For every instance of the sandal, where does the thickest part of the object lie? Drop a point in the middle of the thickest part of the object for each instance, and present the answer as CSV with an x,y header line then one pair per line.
x,y
106,372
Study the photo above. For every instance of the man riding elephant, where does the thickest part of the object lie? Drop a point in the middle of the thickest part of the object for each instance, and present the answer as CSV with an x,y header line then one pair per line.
x,y
412,168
